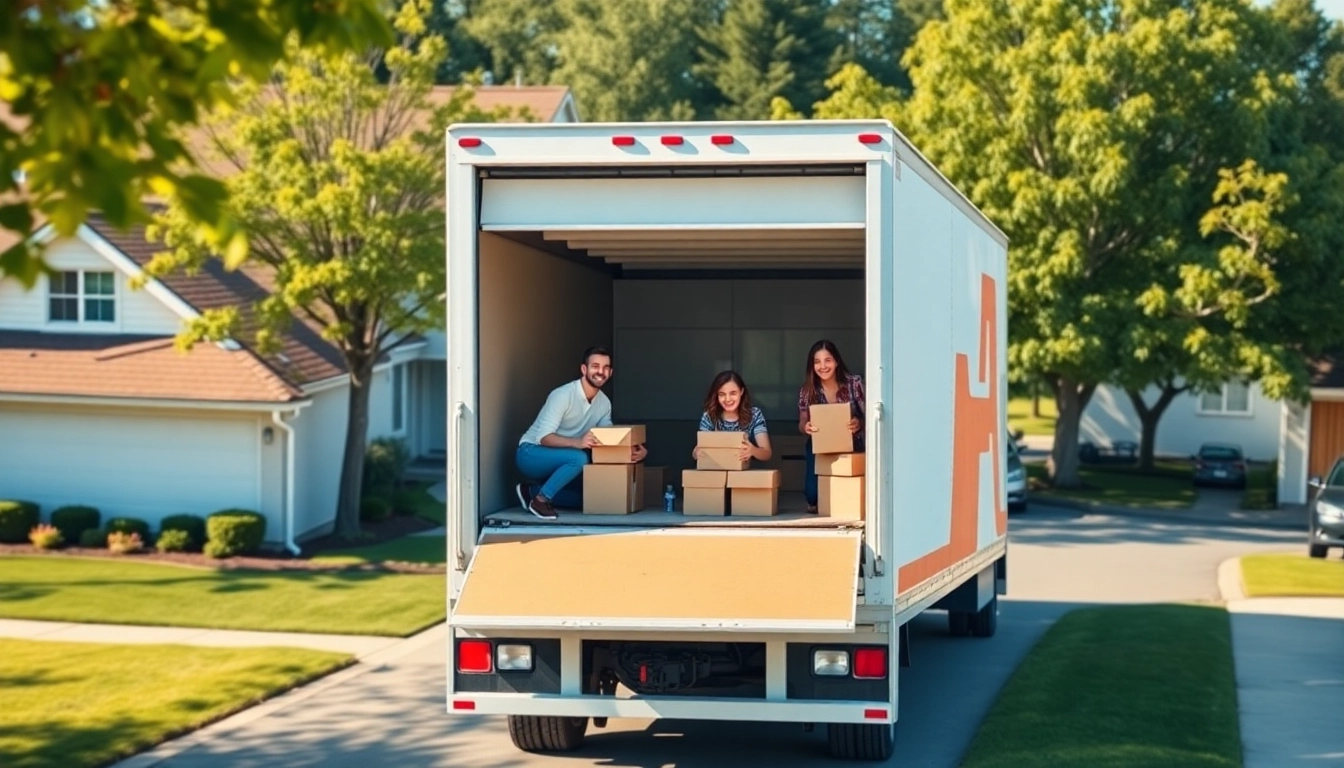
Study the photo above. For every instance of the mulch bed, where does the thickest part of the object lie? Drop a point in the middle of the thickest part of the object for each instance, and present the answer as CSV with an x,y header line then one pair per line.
x,y
394,527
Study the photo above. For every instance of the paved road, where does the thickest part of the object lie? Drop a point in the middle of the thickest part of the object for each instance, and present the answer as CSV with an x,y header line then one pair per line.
x,y
394,715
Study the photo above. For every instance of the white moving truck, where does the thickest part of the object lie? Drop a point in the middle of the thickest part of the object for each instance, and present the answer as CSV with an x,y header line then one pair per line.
x,y
689,248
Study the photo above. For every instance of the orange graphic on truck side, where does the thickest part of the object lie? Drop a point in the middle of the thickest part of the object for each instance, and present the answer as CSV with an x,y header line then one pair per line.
x,y
977,430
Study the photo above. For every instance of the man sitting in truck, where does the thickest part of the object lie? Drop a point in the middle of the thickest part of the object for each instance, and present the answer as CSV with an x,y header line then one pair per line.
x,y
554,449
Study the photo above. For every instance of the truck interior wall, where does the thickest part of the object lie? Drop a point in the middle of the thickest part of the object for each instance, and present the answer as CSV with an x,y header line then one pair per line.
x,y
537,313
673,336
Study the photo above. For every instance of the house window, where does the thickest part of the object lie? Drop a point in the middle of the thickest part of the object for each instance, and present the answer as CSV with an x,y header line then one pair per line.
x,y
399,398
82,297
1234,399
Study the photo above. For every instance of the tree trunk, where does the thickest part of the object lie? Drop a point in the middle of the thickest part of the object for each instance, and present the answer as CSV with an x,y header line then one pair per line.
x,y
1035,398
352,465
1149,418
1071,398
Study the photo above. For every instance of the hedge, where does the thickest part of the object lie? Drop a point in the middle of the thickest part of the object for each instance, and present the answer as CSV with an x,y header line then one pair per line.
x,y
193,525
129,525
17,518
73,520
232,532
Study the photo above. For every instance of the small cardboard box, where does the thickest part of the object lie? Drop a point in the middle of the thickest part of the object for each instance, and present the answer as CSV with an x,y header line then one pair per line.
x,y
840,497
832,423
721,460
615,445
755,493
840,464
654,486
720,439
613,489
704,493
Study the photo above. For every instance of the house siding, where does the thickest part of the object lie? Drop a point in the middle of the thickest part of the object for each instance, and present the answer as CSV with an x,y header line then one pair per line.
x,y
138,312
1293,451
319,438
1110,417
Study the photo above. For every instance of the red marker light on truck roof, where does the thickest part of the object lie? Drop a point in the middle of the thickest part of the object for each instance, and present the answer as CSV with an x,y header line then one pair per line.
x,y
721,139
469,142
623,141
870,138
672,141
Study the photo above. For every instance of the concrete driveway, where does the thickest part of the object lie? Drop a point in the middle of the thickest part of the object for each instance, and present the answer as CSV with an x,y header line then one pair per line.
x,y
393,714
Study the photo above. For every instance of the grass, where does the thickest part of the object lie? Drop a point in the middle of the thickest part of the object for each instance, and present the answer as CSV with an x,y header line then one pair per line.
x,y
1019,416
427,506
1261,487
1167,487
69,705
407,549
117,592
1281,575
1119,686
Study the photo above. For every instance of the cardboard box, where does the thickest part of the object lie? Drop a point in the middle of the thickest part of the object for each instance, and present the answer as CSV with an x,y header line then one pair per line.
x,y
654,486
613,489
720,439
755,493
832,423
840,497
721,460
840,464
615,445
704,492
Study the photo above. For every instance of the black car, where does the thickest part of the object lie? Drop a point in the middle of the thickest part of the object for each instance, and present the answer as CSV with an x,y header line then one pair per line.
x,y
1220,464
1325,523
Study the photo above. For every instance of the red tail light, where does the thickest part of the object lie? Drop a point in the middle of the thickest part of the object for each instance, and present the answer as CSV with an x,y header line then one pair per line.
x,y
623,141
870,663
875,714
475,657
464,705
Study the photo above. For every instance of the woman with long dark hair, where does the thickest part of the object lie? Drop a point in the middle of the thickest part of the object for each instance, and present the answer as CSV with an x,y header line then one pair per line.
x,y
827,380
728,408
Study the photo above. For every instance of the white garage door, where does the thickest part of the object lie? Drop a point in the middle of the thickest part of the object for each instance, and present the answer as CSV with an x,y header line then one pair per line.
x,y
143,465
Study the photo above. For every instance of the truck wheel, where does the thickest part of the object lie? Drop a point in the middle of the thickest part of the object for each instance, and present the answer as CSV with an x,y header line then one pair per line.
x,y
532,733
958,623
861,741
1317,550
985,621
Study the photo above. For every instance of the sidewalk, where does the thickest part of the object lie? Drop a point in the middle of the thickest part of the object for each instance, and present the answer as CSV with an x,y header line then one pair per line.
x,y
359,646
1290,674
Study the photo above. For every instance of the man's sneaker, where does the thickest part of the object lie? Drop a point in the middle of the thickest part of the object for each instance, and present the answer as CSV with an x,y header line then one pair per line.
x,y
542,508
524,492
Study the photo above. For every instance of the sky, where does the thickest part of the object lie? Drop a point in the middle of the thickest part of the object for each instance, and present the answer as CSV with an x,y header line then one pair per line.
x,y
1332,8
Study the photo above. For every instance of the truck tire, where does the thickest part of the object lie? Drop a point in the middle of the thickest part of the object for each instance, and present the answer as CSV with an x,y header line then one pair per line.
x,y
959,623
861,741
985,622
1317,550
532,733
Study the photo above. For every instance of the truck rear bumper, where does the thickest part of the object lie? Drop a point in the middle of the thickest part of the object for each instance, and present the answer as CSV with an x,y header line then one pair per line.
x,y
680,708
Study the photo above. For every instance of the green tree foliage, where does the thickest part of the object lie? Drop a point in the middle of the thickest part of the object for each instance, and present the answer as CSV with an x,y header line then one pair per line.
x,y
339,184
95,94
763,49
875,33
518,36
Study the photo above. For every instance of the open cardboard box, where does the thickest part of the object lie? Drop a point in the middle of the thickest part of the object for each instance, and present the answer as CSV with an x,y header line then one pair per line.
x,y
616,445
721,451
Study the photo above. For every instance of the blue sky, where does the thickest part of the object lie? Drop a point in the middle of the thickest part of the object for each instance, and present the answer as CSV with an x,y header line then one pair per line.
x,y
1332,8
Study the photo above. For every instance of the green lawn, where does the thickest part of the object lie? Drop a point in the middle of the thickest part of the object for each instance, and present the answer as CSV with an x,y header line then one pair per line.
x,y
1167,487
119,592
408,549
1117,687
1292,576
427,506
1019,416
68,705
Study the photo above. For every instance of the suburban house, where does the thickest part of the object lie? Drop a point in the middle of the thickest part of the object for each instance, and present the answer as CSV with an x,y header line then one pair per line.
x,y
1238,413
98,407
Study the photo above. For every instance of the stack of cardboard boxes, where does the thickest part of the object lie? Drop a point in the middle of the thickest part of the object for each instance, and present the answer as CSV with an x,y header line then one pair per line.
x,y
840,487
721,476
614,483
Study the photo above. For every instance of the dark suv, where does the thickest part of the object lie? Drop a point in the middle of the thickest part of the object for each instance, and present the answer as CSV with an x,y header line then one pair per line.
x,y
1325,514
1220,464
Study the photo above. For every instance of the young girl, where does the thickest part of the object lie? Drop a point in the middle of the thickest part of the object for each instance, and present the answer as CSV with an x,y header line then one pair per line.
x,y
827,380
728,408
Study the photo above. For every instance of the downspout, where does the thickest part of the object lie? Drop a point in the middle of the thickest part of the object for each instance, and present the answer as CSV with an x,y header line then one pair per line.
x,y
277,417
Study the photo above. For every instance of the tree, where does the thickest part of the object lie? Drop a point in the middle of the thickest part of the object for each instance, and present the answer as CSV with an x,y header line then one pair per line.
x,y
874,33
96,94
518,36
339,185
767,48
1093,132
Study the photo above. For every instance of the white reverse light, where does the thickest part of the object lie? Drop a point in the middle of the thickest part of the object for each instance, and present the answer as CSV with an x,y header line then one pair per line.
x,y
830,663
513,658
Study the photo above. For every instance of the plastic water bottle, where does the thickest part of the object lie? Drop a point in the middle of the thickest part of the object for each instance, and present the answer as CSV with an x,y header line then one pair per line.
x,y
669,499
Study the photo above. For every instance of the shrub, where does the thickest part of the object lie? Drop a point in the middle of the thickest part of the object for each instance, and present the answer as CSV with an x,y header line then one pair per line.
x,y
74,520
385,462
17,518
93,538
372,509
123,543
45,536
173,540
232,532
406,502
192,525
128,525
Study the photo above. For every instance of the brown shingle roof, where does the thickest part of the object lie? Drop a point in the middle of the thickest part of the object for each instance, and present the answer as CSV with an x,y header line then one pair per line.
x,y
543,101
97,365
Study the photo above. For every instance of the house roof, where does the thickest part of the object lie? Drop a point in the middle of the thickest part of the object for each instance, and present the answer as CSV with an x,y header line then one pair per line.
x,y
543,101
101,365
1327,372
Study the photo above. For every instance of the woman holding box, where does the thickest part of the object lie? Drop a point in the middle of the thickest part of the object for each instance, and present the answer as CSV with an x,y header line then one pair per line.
x,y
827,380
728,408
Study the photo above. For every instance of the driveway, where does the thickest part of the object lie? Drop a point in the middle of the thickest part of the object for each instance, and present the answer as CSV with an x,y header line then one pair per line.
x,y
393,714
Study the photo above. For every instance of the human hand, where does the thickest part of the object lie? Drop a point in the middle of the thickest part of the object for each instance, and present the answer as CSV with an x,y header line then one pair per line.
x,y
695,453
854,425
809,428
745,453
638,453
588,440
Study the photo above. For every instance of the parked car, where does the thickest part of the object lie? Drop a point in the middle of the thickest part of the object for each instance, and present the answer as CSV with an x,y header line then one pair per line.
x,y
1016,478
1220,464
1325,513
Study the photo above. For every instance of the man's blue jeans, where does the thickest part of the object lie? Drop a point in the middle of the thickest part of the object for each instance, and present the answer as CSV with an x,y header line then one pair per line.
x,y
559,470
